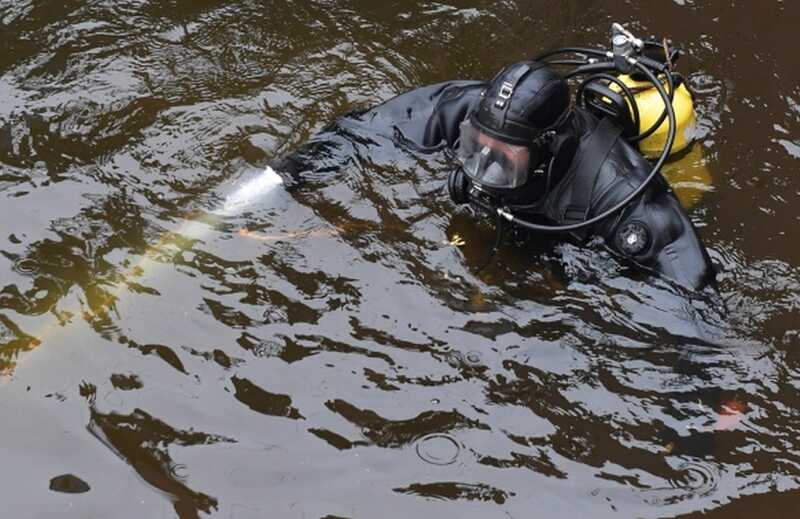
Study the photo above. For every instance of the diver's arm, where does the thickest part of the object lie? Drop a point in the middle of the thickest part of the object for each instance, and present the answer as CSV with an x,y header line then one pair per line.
x,y
317,159
671,247
426,117
289,166
450,111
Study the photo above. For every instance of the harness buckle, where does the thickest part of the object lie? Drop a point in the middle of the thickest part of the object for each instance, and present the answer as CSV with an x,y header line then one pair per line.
x,y
506,90
504,95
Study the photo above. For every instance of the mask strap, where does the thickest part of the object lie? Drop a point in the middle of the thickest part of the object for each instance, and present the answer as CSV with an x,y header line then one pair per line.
x,y
507,89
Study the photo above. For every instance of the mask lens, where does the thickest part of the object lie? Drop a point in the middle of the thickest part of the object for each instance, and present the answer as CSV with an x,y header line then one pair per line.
x,y
490,161
495,175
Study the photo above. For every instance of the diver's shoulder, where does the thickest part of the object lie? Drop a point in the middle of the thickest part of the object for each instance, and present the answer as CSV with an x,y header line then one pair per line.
x,y
434,92
623,166
411,111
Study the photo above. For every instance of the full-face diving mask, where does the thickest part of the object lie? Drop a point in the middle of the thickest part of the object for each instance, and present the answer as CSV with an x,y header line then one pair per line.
x,y
516,125
491,163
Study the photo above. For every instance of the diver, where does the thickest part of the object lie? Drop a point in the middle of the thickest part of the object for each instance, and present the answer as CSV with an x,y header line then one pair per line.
x,y
530,157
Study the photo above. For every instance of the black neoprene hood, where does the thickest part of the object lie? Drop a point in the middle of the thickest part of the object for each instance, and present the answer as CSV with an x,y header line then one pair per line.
x,y
522,101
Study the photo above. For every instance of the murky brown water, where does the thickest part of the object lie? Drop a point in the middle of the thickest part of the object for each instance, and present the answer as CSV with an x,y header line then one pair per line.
x,y
338,359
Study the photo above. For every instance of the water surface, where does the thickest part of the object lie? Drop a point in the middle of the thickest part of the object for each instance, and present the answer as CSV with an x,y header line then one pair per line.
x,y
328,352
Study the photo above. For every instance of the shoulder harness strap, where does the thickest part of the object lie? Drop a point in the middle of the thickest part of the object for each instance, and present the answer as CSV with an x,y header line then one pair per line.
x,y
592,156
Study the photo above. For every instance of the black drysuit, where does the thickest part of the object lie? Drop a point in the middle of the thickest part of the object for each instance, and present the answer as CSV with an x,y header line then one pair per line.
x,y
660,236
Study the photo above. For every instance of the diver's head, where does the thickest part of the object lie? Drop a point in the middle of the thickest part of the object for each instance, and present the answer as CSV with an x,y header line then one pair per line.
x,y
505,138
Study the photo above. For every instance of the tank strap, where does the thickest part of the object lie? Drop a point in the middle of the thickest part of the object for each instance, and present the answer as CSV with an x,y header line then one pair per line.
x,y
592,156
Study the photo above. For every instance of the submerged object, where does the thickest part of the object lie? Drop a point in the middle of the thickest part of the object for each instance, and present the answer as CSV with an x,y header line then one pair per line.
x,y
689,176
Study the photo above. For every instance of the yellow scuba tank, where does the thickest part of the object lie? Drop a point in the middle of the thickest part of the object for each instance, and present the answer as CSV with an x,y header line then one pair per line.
x,y
689,176
651,106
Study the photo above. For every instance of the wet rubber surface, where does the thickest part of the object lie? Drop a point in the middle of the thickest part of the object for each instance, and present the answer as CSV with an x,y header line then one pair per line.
x,y
330,352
